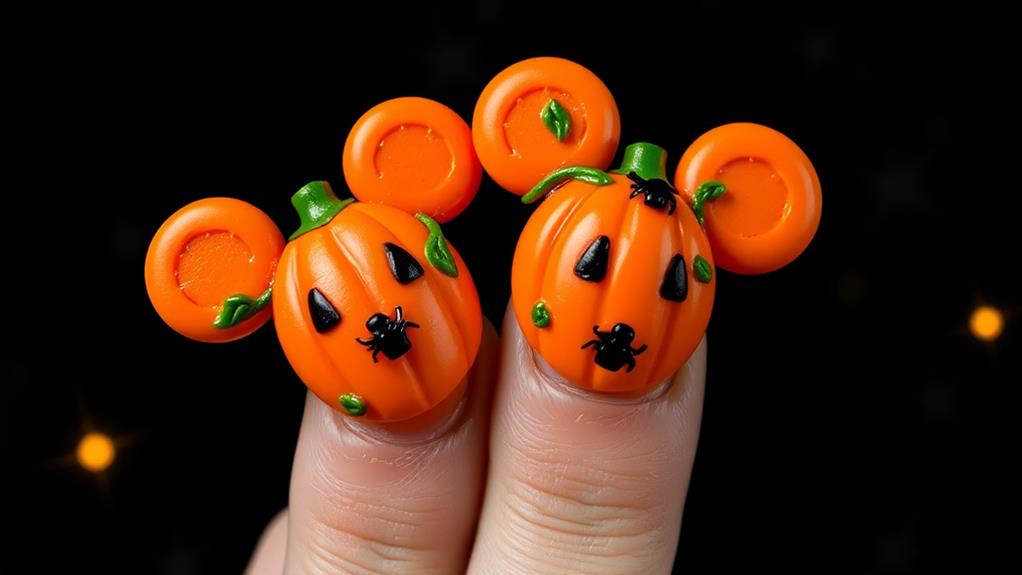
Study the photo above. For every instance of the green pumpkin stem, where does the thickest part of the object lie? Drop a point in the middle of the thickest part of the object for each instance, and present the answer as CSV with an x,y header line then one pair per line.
x,y
316,204
648,161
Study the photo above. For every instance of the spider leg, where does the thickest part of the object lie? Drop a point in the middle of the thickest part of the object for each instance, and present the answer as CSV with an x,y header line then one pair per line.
x,y
641,349
376,352
365,342
411,324
591,342
398,314
631,364
636,190
596,330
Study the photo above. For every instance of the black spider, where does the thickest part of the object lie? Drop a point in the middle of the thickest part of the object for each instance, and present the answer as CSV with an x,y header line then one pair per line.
x,y
658,193
388,335
614,347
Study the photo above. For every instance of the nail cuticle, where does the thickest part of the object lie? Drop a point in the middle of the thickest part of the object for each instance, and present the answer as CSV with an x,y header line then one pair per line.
x,y
390,434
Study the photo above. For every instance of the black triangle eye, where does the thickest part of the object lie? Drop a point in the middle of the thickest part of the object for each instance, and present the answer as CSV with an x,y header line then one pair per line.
x,y
403,266
592,265
675,284
324,316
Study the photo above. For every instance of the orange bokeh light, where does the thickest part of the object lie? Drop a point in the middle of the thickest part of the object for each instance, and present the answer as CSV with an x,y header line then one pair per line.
x,y
986,323
95,452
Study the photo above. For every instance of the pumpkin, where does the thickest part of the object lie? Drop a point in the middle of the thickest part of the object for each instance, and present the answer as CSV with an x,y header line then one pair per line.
x,y
376,313
612,280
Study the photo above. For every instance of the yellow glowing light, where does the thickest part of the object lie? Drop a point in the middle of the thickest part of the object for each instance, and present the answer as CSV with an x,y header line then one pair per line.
x,y
95,452
986,323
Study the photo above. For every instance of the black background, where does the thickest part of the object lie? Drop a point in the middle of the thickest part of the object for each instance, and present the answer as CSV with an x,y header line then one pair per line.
x,y
851,425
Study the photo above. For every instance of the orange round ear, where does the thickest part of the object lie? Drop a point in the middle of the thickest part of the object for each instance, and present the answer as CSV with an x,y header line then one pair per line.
x,y
413,154
543,114
755,191
209,269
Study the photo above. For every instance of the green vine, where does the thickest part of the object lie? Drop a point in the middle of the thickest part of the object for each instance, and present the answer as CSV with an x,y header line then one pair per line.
x,y
557,177
709,190
238,308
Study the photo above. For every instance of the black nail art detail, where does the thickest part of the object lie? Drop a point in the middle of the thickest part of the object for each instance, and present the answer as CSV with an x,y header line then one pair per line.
x,y
592,265
675,284
657,194
614,348
402,265
389,335
324,316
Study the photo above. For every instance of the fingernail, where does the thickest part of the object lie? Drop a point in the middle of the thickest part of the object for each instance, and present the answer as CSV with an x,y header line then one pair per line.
x,y
604,284
374,325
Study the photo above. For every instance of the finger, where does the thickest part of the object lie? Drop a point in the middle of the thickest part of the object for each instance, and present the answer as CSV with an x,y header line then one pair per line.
x,y
581,482
390,499
268,557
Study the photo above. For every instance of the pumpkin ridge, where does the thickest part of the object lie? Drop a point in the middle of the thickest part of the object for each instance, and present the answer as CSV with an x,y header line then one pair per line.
x,y
678,239
301,253
347,253
612,271
442,302
547,254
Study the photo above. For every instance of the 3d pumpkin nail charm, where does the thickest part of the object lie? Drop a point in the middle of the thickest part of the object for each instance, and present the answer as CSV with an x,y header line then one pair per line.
x,y
613,276
375,310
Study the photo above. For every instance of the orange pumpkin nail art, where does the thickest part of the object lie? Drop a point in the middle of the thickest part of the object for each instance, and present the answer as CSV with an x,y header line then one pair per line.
x,y
613,265
613,276
375,310
361,312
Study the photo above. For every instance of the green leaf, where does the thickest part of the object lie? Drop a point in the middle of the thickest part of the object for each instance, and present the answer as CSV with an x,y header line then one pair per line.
x,y
352,403
702,268
540,314
240,307
556,119
437,253
557,177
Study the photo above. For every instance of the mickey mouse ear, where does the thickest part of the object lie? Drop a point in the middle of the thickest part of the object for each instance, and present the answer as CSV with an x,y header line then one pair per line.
x,y
543,114
209,269
755,191
413,154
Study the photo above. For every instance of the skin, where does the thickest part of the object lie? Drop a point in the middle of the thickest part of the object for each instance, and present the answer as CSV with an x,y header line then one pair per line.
x,y
526,474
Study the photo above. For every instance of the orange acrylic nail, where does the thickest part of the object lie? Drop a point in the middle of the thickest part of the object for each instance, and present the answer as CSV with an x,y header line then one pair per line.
x,y
367,316
614,274
375,310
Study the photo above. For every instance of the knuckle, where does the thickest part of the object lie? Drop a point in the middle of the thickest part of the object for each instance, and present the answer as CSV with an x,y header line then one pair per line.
x,y
372,537
583,515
